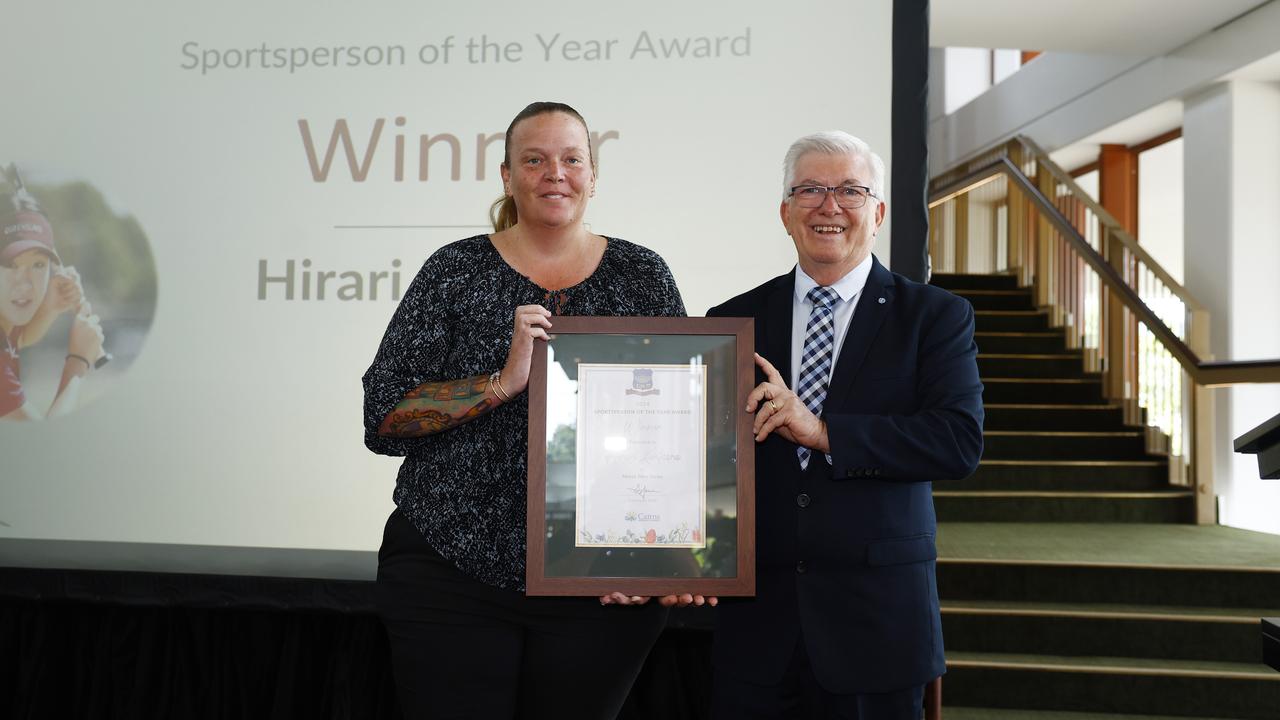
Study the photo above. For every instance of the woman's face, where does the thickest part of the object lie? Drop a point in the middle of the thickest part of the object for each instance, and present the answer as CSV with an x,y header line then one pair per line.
x,y
23,286
550,176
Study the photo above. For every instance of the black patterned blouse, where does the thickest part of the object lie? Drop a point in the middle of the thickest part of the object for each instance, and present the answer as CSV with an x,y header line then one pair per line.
x,y
464,488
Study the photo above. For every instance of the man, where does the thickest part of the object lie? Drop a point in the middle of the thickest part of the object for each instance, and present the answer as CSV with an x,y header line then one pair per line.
x,y
870,391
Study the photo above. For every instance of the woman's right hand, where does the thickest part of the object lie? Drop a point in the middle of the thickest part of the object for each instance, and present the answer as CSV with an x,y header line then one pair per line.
x,y
531,323
86,334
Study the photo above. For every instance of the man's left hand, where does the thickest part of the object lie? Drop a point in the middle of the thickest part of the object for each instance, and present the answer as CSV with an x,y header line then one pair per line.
x,y
779,410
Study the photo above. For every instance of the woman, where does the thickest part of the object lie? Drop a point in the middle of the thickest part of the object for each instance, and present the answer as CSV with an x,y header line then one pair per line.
x,y
34,290
447,391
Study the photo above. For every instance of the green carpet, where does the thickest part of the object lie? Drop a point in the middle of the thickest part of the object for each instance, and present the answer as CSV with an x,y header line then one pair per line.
x,y
964,713
1149,544
1243,614
1085,664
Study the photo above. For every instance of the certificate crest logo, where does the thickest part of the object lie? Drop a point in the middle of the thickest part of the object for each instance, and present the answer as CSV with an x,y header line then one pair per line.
x,y
642,383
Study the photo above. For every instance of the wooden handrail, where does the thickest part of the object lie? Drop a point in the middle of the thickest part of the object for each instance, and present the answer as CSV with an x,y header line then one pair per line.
x,y
1206,374
1112,225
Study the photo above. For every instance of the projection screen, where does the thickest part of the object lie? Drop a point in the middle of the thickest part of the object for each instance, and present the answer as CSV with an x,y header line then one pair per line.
x,y
245,189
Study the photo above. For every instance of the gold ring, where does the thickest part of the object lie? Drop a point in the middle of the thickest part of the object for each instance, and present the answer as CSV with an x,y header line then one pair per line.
x,y
773,405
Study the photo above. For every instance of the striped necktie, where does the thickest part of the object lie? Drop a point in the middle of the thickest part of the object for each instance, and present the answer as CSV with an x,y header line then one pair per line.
x,y
815,356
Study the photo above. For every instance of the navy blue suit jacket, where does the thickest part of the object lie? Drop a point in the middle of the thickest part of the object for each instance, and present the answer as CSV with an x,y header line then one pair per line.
x,y
850,567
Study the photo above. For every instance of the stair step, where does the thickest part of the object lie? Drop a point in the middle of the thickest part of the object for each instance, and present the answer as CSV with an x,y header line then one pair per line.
x,y
1249,616
1048,391
953,282
1192,547
1159,506
1111,684
1214,634
1031,365
1011,320
961,579
1064,445
952,712
1053,416
1084,475
1108,665
997,299
1126,635
1049,341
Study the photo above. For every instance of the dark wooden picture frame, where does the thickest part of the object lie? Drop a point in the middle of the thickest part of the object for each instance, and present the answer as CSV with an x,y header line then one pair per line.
x,y
743,581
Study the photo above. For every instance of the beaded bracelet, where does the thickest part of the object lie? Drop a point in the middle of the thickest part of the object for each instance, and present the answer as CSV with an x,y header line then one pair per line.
x,y
496,381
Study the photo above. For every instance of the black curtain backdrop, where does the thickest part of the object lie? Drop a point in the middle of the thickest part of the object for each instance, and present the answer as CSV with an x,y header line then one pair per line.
x,y
89,660
141,646
134,646
909,186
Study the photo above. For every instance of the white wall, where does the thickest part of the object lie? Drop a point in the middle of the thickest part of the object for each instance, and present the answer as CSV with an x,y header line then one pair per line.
x,y
1231,134
1160,197
1064,97
968,75
1088,182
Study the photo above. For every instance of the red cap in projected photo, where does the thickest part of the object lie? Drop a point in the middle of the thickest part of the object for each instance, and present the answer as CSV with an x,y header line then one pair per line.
x,y
26,230
22,226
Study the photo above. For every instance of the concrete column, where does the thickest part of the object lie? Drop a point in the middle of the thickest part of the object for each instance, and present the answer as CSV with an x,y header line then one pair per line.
x,y
1231,135
1118,193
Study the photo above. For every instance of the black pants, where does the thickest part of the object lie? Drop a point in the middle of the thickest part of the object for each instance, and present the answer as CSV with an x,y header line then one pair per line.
x,y
799,696
463,649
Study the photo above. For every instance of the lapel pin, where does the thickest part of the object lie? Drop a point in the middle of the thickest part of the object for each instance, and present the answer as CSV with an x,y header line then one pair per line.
x,y
881,301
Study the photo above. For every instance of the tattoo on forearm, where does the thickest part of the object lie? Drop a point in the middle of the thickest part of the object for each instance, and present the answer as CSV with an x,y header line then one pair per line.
x,y
436,406
450,389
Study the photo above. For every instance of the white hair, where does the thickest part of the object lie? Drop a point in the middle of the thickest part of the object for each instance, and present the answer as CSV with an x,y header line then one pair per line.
x,y
832,142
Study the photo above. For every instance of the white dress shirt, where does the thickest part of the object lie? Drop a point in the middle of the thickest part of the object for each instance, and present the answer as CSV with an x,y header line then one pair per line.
x,y
848,288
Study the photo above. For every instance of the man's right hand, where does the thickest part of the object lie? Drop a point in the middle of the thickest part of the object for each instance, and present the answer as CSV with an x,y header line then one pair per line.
x,y
778,409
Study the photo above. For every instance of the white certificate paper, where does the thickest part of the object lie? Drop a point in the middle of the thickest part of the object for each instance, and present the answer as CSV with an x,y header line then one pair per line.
x,y
641,455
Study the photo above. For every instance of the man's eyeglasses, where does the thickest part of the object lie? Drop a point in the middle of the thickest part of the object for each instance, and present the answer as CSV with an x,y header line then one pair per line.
x,y
850,197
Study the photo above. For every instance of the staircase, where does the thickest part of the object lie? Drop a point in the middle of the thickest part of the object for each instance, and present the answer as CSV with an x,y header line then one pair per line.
x,y
1072,584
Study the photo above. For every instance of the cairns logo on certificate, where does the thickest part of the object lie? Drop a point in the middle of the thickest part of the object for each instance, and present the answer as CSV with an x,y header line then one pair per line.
x,y
641,455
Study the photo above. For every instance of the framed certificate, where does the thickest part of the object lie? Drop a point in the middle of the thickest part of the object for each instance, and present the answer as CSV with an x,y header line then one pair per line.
x,y
641,458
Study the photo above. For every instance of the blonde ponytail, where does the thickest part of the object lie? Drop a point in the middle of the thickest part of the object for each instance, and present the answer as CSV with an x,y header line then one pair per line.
x,y
502,213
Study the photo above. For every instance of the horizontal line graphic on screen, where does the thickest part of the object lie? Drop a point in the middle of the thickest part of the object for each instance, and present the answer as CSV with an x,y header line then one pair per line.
x,y
402,227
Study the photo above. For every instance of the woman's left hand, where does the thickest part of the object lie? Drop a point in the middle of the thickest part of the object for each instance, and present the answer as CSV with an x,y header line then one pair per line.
x,y
531,323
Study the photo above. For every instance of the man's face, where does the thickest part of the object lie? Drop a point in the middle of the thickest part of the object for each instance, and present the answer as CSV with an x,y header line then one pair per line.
x,y
831,240
23,286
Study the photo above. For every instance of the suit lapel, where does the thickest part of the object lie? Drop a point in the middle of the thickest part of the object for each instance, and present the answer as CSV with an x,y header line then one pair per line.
x,y
872,309
776,347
